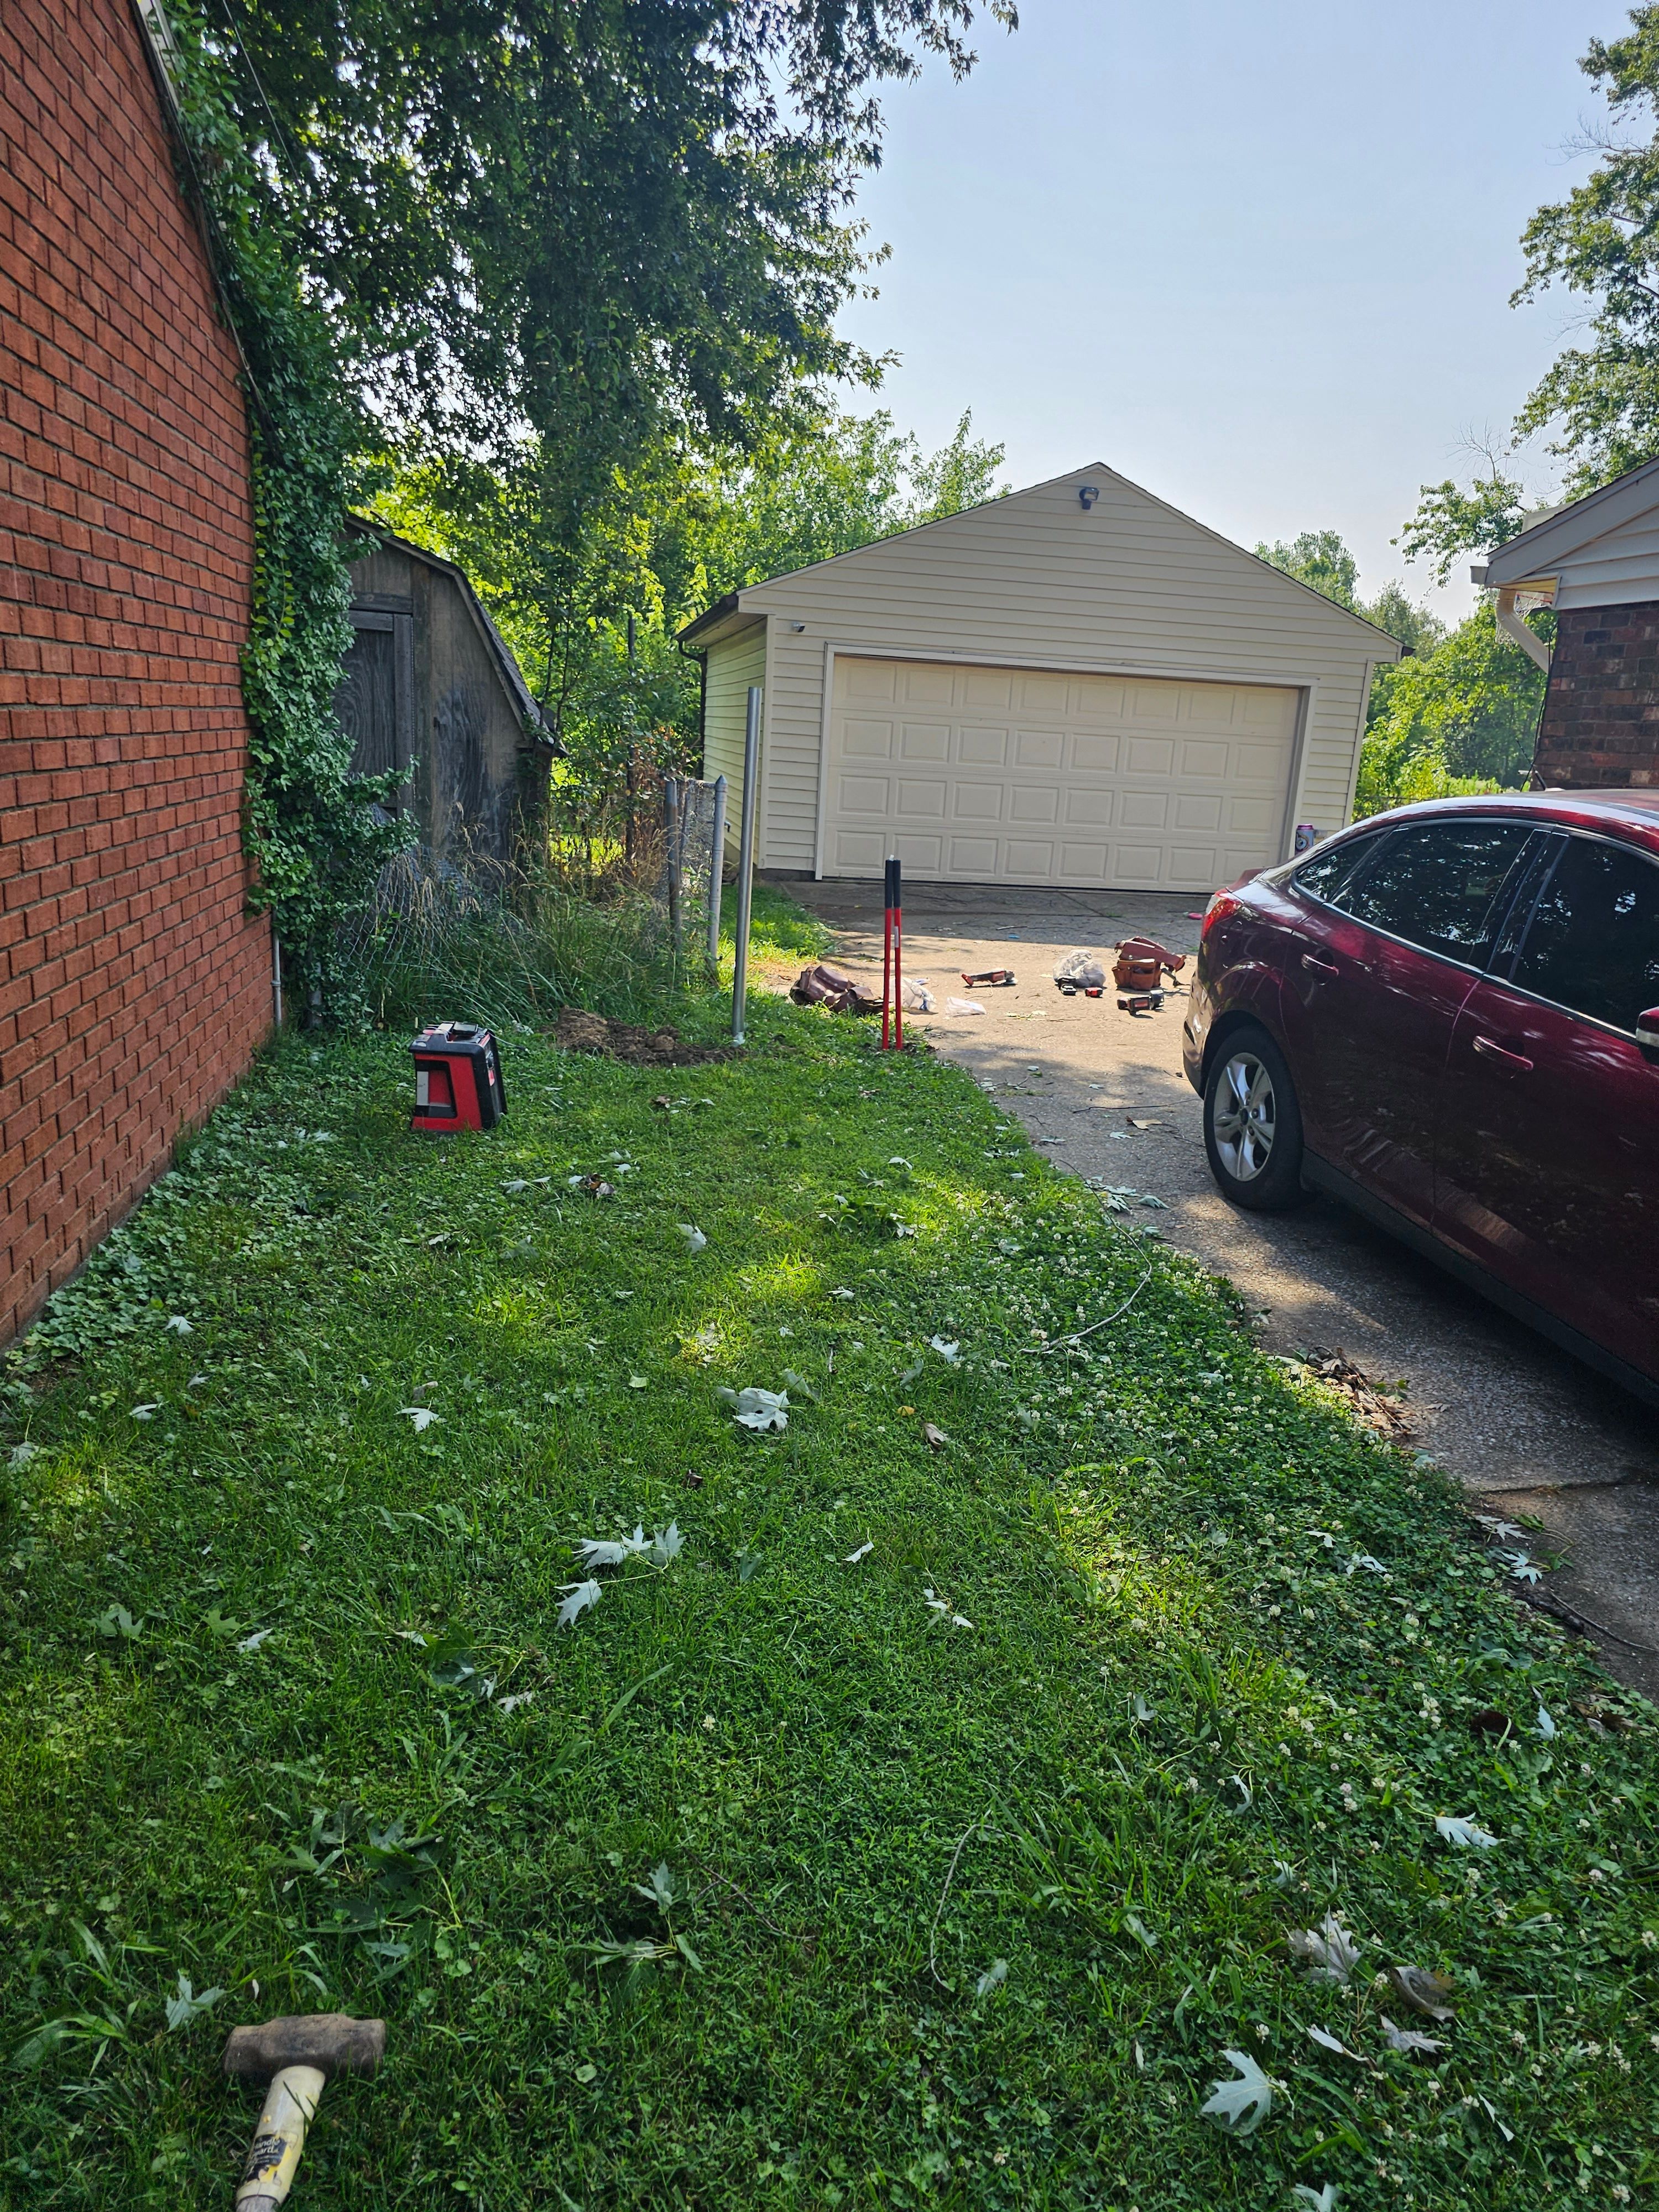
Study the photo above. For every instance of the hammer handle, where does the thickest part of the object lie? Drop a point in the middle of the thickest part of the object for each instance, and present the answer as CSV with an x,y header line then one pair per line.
x,y
290,2107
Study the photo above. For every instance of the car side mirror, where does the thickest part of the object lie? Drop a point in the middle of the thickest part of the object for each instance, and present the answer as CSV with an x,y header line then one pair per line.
x,y
1647,1029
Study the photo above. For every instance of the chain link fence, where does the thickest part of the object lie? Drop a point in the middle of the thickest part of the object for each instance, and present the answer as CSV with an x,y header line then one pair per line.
x,y
687,887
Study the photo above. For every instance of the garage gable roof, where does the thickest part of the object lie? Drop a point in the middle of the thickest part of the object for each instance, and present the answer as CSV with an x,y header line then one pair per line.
x,y
1112,489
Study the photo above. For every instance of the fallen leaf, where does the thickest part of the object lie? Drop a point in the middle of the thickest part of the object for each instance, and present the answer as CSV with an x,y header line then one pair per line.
x,y
1411,2040
993,1978
609,1551
1428,1994
862,1552
843,1294
665,1546
1546,1725
515,1187
1329,1953
580,1597
1520,1568
145,1412
178,1325
794,1381
757,1409
187,2006
936,1438
1334,2042
1464,1832
21,1455
1314,2200
1238,2107
1497,1528
252,1642
1365,1560
422,1415
511,1705
950,1353
695,1239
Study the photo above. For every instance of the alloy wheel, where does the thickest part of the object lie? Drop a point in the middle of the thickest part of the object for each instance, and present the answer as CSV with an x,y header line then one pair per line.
x,y
1244,1118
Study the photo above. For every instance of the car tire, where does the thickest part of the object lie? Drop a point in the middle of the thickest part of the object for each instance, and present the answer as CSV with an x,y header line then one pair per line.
x,y
1253,1123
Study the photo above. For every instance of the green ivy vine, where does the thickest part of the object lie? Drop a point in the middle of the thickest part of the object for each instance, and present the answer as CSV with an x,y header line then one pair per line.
x,y
314,837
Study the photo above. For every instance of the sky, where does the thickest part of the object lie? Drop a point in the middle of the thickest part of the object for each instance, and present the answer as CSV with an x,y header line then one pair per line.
x,y
1257,257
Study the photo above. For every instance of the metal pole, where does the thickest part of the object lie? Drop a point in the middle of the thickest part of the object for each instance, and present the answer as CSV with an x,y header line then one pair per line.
x,y
746,861
716,872
670,826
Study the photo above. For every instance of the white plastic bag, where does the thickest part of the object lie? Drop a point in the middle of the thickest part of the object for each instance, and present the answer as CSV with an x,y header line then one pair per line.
x,y
916,996
1081,969
964,1006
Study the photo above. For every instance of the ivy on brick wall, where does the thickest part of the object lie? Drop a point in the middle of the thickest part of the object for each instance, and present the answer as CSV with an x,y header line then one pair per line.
x,y
314,837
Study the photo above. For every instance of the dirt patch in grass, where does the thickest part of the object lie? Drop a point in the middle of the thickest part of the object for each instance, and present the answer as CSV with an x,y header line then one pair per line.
x,y
579,1031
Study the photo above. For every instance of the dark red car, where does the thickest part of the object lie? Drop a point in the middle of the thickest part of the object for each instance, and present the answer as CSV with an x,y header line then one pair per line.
x,y
1449,1016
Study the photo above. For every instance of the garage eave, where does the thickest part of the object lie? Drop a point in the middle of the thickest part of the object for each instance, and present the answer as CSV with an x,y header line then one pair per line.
x,y
727,617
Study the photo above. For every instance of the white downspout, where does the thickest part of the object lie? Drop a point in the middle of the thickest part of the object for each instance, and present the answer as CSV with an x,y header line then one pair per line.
x,y
1512,626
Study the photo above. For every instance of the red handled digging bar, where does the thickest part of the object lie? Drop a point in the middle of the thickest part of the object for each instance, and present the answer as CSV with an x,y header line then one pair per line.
x,y
892,961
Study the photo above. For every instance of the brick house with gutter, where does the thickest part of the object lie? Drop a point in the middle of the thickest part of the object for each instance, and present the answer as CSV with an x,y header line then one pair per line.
x,y
1596,562
134,986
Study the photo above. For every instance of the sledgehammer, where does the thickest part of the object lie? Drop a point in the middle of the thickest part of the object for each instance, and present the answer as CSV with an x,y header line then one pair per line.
x,y
295,2055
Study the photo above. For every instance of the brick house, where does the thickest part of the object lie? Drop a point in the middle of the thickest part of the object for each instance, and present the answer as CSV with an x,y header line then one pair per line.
x,y
1596,562
135,987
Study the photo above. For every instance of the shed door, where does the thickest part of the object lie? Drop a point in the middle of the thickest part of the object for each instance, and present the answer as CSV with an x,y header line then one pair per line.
x,y
1005,775
374,699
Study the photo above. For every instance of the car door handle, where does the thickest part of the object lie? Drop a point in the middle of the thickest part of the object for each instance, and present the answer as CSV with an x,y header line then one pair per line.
x,y
1489,1049
1315,966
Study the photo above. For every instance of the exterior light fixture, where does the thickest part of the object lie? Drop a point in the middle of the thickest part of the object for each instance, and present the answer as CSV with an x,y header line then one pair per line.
x,y
1086,496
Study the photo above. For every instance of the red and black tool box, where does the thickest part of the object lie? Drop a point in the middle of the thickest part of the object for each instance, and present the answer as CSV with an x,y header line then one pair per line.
x,y
457,1078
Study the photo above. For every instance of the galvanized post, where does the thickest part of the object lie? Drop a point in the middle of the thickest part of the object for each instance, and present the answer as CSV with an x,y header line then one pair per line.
x,y
716,872
746,861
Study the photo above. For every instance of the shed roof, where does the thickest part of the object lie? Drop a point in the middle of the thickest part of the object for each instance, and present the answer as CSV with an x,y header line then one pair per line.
x,y
500,652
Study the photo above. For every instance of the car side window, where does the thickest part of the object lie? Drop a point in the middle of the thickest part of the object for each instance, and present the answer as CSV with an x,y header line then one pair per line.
x,y
1442,886
1593,945
1323,876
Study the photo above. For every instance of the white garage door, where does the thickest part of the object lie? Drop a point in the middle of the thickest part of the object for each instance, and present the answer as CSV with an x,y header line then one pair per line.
x,y
1005,775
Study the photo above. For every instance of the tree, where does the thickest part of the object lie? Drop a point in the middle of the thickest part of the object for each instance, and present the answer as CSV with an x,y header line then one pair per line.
x,y
1602,242
1318,558
1449,521
1464,717
554,233
1417,628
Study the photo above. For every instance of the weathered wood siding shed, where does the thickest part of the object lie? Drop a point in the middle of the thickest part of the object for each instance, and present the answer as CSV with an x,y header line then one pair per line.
x,y
1048,688
429,678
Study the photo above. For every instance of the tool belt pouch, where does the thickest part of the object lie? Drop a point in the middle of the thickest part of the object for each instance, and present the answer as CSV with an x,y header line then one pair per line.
x,y
1137,971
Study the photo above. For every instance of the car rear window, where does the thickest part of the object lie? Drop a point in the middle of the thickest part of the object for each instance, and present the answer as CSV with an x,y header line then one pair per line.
x,y
1323,876
1592,942
1442,886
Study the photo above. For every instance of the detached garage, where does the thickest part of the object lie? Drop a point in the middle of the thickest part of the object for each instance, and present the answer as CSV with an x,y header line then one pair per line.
x,y
1074,685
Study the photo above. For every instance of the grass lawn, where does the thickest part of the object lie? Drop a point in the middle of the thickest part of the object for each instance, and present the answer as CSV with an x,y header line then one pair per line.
x,y
929,1829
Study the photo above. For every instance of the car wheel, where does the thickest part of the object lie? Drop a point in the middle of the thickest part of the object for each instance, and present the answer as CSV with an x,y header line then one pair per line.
x,y
1253,1124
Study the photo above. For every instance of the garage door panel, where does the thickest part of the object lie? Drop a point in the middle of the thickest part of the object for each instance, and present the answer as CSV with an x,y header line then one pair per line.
x,y
979,802
1197,811
871,679
1093,755
973,859
866,794
983,748
1090,804
867,740
1144,809
921,855
1039,748
922,685
1201,757
925,741
984,690
993,775
1149,756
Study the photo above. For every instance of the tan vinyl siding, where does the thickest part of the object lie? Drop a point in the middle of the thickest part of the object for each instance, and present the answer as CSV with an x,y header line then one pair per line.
x,y
1033,581
734,663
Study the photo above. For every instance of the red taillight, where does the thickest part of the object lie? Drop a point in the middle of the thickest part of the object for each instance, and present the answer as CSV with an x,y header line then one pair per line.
x,y
1222,903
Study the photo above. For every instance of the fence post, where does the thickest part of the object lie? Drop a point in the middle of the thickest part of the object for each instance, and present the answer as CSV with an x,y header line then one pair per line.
x,y
746,862
716,872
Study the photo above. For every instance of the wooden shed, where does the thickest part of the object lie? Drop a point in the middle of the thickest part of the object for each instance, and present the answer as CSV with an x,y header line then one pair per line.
x,y
1076,685
429,678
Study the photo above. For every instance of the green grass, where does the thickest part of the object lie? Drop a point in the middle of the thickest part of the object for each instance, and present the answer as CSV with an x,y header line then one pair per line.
x,y
1178,1729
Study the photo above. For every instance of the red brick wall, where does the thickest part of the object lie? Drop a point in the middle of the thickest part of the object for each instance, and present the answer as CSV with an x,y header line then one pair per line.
x,y
1600,721
133,988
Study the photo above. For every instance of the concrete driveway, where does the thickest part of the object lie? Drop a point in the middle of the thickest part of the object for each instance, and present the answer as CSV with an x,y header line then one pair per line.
x,y
1531,1433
